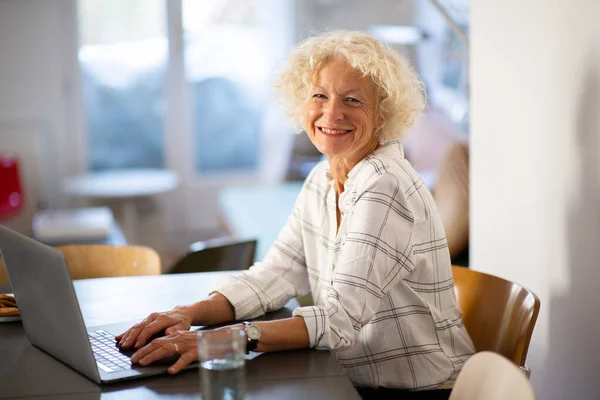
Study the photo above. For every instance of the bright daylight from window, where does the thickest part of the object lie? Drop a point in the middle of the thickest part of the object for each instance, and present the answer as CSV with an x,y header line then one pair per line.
x,y
124,58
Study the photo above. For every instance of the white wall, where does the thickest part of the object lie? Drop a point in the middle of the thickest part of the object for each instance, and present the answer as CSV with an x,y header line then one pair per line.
x,y
319,15
535,175
36,88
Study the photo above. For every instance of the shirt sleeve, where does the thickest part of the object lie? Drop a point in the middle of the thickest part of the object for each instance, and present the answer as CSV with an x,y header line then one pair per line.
x,y
376,254
268,285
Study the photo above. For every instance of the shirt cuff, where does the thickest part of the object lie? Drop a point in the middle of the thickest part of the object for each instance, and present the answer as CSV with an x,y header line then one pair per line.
x,y
316,323
246,303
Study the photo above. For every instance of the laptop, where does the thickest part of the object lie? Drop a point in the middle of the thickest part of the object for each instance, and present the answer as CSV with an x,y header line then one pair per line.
x,y
52,319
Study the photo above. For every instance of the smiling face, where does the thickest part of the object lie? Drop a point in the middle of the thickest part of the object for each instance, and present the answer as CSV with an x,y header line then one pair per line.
x,y
340,113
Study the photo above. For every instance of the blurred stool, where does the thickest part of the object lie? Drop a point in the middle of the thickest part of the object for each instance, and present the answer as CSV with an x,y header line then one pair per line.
x,y
11,194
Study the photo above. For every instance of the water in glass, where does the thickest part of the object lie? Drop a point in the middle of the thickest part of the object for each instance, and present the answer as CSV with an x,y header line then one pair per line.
x,y
221,356
222,380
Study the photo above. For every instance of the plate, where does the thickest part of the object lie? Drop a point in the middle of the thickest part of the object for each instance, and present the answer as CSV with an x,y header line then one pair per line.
x,y
12,318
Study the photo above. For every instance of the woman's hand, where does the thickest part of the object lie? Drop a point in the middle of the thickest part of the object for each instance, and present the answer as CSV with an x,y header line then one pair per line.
x,y
179,343
178,319
234,326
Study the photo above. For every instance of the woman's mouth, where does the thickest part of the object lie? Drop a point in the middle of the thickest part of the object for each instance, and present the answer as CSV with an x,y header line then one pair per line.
x,y
334,132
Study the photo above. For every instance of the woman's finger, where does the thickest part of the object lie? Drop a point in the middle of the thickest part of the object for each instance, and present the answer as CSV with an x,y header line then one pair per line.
x,y
157,350
132,333
184,360
119,336
158,354
144,351
155,355
158,325
128,338
124,334
175,328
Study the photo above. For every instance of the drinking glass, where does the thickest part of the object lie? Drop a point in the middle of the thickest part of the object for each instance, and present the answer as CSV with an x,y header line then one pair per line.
x,y
221,355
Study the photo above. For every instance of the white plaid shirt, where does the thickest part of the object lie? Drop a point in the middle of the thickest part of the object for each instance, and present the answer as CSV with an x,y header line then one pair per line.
x,y
382,285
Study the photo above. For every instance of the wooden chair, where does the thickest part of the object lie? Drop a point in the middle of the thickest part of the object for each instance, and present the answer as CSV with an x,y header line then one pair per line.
x,y
221,254
489,376
102,261
499,315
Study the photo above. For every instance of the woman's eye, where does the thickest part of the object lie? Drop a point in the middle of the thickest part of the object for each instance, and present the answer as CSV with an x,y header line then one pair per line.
x,y
319,96
352,100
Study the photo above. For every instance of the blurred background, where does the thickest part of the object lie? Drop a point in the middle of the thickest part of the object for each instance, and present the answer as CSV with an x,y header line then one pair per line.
x,y
152,122
163,110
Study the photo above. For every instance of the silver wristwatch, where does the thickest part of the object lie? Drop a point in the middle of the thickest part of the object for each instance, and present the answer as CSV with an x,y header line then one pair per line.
x,y
253,333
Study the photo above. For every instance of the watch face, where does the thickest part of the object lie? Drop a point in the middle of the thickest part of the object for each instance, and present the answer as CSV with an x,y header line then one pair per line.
x,y
253,332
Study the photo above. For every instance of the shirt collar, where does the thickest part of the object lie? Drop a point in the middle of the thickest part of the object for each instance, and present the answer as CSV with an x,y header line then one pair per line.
x,y
389,146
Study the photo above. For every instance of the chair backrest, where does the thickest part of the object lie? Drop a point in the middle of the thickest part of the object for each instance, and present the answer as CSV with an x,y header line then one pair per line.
x,y
221,254
102,261
499,315
489,376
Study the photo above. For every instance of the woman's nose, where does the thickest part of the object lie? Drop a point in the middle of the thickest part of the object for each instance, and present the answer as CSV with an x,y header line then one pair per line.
x,y
334,111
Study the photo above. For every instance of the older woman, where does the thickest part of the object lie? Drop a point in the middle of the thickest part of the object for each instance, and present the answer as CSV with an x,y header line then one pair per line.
x,y
364,236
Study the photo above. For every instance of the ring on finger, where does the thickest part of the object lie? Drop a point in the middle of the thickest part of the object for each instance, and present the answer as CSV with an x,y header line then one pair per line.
x,y
176,349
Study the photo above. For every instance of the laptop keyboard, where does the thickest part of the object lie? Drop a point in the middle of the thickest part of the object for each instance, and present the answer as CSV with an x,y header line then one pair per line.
x,y
107,355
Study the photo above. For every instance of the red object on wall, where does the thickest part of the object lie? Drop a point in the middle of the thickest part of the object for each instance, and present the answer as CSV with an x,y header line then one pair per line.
x,y
11,194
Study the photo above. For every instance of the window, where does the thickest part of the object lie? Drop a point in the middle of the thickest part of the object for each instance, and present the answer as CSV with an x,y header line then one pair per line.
x,y
226,66
122,58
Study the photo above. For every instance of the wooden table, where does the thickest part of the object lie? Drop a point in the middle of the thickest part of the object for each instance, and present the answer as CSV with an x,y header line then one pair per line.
x,y
27,372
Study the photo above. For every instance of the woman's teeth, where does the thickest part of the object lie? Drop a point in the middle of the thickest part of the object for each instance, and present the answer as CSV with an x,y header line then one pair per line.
x,y
335,131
